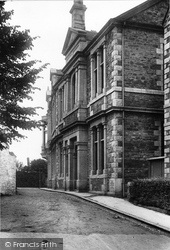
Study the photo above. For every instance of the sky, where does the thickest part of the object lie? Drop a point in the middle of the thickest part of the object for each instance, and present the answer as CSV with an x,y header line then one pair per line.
x,y
50,20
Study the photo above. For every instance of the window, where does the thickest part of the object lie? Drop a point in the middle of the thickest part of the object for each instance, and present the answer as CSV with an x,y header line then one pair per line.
x,y
98,71
102,148
66,158
95,73
53,117
60,159
95,147
61,103
73,90
102,67
98,149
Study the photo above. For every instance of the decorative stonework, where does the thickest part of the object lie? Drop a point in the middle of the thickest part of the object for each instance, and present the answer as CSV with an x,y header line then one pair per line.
x,y
159,64
116,58
114,147
167,96
157,141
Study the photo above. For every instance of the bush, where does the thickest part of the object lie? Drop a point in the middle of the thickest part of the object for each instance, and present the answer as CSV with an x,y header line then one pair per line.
x,y
150,192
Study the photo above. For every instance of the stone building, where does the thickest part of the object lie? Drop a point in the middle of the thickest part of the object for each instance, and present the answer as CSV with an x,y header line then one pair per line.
x,y
106,106
7,173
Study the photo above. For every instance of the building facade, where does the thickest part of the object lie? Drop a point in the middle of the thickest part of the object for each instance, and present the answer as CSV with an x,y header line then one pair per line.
x,y
105,120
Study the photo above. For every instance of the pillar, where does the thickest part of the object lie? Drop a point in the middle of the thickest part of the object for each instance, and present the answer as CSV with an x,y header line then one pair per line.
x,y
93,171
81,166
70,164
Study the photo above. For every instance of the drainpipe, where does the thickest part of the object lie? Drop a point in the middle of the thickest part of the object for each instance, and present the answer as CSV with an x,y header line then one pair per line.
x,y
123,115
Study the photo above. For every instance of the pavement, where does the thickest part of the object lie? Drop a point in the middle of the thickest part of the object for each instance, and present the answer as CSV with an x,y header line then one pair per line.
x,y
122,206
101,241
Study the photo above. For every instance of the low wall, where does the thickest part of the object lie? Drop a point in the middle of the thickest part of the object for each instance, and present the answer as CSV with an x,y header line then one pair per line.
x,y
7,173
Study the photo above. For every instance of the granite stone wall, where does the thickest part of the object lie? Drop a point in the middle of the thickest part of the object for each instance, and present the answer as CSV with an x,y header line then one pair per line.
x,y
142,141
143,59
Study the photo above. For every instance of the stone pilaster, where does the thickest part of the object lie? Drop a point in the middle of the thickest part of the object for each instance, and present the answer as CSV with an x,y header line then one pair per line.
x,y
82,166
114,150
167,96
157,141
70,164
117,58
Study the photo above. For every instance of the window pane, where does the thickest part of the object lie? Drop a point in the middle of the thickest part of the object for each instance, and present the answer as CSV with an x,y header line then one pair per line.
x,y
101,53
95,145
73,91
102,76
95,61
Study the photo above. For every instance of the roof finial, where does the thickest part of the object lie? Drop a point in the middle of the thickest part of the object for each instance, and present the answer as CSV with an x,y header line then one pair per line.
x,y
78,15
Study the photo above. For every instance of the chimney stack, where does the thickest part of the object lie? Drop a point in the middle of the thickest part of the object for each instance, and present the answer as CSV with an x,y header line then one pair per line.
x,y
78,15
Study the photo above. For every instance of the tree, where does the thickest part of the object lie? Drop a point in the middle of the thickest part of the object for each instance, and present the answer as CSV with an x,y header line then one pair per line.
x,y
39,165
36,166
17,79
34,175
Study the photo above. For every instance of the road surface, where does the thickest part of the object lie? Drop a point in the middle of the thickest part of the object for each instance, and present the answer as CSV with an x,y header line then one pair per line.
x,y
82,225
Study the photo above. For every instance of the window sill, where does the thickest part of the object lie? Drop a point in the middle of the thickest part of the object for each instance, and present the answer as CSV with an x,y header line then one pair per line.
x,y
70,112
98,97
60,177
97,176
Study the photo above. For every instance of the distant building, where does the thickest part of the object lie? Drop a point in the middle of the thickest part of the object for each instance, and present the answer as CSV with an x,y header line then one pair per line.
x,y
105,120
7,172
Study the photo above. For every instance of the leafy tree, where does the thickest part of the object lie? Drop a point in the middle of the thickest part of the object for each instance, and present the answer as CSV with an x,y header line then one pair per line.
x,y
17,78
36,166
34,175
39,165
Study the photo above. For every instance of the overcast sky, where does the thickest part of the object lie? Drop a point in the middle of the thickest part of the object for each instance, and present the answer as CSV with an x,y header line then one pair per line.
x,y
50,20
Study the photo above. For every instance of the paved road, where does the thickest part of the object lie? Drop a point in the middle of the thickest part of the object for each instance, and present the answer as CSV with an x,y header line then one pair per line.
x,y
83,225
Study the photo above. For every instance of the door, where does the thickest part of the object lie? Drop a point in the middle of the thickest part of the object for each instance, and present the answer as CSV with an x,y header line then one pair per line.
x,y
157,168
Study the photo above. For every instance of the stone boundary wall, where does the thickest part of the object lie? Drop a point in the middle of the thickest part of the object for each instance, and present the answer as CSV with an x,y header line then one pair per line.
x,y
7,173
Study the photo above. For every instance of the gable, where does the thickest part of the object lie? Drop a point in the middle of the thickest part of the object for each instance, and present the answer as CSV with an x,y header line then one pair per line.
x,y
70,37
153,15
167,18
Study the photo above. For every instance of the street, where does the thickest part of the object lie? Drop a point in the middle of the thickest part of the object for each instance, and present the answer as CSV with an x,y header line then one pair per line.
x,y
33,211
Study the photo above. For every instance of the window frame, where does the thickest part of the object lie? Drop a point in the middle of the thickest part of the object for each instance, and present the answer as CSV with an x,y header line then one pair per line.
x,y
98,141
98,69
